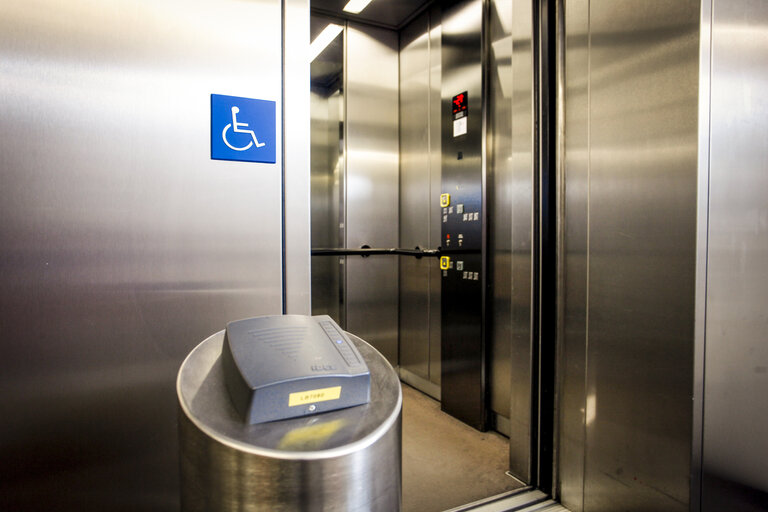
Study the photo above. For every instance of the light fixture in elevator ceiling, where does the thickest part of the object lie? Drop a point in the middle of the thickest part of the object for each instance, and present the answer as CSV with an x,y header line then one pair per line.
x,y
325,37
389,14
355,6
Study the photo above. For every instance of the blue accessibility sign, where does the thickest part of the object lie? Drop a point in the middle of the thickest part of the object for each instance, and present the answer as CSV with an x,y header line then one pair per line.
x,y
243,129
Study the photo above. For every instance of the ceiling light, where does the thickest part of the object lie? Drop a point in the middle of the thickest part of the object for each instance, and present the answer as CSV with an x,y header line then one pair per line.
x,y
355,6
328,34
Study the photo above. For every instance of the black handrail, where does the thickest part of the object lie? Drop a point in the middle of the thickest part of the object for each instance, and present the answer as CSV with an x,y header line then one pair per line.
x,y
368,251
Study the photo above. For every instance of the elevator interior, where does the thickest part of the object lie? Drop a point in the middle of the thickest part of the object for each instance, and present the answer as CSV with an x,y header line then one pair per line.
x,y
592,190
123,244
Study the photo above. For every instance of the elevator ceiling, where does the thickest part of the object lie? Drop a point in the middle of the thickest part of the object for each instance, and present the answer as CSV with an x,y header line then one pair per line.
x,y
392,14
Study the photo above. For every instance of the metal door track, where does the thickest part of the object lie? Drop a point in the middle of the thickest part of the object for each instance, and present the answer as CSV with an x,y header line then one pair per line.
x,y
521,500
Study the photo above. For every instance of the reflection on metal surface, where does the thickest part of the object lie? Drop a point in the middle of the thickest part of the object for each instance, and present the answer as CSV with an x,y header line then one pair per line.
x,y
573,338
631,160
348,459
296,159
735,410
500,175
325,38
520,188
120,240
419,182
327,175
371,202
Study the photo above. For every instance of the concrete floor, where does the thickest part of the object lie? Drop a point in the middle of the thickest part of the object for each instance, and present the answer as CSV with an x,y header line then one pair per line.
x,y
445,462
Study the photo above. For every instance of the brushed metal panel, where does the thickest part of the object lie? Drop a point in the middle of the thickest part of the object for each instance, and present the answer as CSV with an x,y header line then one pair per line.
x,y
697,430
326,194
521,199
372,184
296,148
435,144
416,207
643,101
573,361
735,411
121,241
500,202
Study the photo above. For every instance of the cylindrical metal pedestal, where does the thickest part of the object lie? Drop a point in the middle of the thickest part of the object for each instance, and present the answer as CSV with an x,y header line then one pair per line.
x,y
341,460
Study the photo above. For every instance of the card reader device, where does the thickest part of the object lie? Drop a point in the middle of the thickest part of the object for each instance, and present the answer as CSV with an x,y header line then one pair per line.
x,y
285,366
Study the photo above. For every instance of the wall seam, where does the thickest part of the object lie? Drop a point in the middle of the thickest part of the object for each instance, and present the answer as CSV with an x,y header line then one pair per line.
x,y
586,302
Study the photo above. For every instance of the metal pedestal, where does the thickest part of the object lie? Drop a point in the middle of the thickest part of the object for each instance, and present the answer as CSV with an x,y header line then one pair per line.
x,y
343,460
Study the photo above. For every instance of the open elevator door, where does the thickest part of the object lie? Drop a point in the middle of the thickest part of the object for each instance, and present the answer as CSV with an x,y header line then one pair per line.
x,y
487,335
499,224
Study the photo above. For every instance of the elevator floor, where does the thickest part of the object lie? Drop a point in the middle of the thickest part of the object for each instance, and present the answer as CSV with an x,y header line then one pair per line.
x,y
445,462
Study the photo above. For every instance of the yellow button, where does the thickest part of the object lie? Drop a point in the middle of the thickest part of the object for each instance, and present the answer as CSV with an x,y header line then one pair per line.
x,y
445,200
445,262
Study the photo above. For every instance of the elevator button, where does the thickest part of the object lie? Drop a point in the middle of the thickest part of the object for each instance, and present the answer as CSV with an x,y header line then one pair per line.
x,y
445,262
445,200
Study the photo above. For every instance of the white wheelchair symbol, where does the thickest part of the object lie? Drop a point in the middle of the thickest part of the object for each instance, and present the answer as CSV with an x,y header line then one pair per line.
x,y
238,128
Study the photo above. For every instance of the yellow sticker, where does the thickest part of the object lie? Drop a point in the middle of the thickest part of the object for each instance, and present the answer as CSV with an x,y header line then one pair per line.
x,y
311,437
314,395
445,200
445,262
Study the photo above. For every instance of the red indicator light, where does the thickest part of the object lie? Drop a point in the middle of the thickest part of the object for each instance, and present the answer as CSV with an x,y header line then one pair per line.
x,y
460,102
448,237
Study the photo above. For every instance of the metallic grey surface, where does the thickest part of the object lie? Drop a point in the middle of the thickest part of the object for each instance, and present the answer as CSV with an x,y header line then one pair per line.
x,y
419,200
735,409
521,198
702,230
372,184
121,241
347,459
464,381
296,151
573,345
416,205
641,156
500,203
436,156
327,175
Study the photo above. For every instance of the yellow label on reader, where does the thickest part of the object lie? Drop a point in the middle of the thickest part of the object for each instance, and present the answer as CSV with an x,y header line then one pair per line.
x,y
445,200
445,262
313,396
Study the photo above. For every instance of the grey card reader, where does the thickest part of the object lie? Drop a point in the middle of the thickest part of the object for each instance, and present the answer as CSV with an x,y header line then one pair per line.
x,y
279,367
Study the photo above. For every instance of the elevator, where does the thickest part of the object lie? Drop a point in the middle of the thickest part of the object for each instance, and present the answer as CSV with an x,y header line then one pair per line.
x,y
590,174
451,260
569,317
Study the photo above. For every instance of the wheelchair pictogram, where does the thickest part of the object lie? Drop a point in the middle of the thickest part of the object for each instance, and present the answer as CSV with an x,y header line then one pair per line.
x,y
239,128
243,129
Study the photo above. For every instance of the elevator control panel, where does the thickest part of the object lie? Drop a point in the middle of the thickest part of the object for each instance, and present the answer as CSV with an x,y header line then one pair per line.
x,y
280,367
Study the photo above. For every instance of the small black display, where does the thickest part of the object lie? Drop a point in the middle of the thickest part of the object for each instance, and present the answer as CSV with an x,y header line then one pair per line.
x,y
460,105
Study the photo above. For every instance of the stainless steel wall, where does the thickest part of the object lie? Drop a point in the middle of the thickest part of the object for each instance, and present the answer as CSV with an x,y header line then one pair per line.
x,y
735,471
509,105
631,182
122,244
296,160
327,175
372,156
419,299
499,31
520,187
